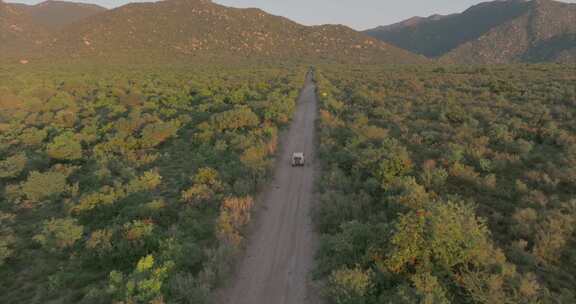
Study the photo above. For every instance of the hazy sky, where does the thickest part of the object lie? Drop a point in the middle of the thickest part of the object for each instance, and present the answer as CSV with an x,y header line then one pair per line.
x,y
359,14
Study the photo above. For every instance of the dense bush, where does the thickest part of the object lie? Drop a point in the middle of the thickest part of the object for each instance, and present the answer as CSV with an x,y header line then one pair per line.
x,y
439,188
65,147
13,166
39,186
132,185
59,233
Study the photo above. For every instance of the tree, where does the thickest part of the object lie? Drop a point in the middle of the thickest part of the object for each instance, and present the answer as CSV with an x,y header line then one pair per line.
x,y
143,285
7,238
100,240
279,110
148,181
13,166
65,147
255,158
441,236
6,242
237,118
407,192
206,184
433,177
59,233
234,215
40,186
208,176
65,118
447,239
394,165
138,230
33,136
429,289
59,101
350,286
156,133
197,193
553,233
351,246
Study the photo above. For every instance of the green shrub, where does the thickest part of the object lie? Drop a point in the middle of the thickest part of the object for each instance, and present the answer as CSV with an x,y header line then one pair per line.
x,y
156,133
65,147
58,234
33,136
186,289
350,286
238,118
40,186
6,242
13,166
143,285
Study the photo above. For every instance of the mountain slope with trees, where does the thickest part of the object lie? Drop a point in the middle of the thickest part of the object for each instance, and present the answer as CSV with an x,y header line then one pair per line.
x,y
17,33
55,15
492,32
201,30
545,33
436,35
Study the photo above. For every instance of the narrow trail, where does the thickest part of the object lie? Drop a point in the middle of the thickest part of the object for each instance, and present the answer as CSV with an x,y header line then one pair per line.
x,y
280,251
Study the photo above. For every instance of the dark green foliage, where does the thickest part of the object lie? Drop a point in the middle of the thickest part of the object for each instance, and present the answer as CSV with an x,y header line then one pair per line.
x,y
7,237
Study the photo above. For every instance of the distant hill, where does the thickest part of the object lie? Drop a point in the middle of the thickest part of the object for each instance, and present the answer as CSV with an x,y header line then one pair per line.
x,y
54,15
411,22
492,32
546,32
18,34
200,30
436,35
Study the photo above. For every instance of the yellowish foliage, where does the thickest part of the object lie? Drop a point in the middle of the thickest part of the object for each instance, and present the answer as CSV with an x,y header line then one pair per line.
x,y
234,215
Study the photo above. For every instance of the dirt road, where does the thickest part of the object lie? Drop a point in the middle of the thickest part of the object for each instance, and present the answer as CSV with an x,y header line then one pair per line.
x,y
280,250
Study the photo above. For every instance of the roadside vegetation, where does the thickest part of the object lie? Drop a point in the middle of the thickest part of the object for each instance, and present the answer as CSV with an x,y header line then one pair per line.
x,y
131,185
448,184
438,184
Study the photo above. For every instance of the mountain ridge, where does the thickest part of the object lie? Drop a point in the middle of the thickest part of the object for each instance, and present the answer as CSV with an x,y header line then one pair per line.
x,y
200,29
56,14
548,23
497,32
17,32
435,35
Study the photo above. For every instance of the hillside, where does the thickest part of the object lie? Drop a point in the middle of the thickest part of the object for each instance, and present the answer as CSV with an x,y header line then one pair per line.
x,y
545,33
19,36
492,32
436,35
201,30
55,15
